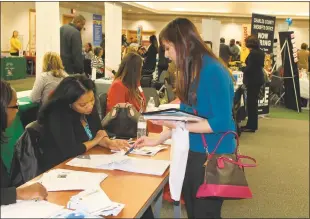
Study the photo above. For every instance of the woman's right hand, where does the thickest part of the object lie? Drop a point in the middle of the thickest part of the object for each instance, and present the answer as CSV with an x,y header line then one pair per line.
x,y
100,135
33,191
146,141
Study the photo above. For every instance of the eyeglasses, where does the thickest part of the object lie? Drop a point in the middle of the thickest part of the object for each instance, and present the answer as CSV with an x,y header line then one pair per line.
x,y
13,107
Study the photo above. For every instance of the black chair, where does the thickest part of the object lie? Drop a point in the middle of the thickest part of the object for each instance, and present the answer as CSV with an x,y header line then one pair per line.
x,y
276,89
151,92
29,115
35,130
103,104
87,67
146,80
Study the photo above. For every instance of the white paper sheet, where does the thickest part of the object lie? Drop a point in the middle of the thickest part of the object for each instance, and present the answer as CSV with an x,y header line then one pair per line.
x,y
146,151
178,155
66,180
67,213
120,162
30,209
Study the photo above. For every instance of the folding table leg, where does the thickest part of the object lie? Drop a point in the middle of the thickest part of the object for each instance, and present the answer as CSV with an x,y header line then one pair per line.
x,y
158,204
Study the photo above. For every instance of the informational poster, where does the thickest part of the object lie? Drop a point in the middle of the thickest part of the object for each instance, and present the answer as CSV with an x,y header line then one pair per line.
x,y
97,29
263,27
139,34
246,28
291,74
263,104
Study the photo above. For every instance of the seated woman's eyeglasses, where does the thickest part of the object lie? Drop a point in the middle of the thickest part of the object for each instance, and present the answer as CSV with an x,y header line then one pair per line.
x,y
13,107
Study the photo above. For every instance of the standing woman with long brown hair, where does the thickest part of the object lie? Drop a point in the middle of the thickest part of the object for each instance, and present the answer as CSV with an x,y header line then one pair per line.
x,y
203,84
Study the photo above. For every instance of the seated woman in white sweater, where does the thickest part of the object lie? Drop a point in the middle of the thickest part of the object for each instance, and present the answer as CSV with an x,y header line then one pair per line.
x,y
47,81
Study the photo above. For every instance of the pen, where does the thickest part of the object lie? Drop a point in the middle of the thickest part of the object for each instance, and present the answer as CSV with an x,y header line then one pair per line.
x,y
130,150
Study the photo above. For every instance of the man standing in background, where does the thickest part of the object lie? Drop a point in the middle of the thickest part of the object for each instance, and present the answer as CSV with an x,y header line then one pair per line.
x,y
224,51
234,50
71,45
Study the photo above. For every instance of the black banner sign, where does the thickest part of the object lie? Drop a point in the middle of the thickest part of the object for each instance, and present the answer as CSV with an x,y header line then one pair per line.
x,y
263,27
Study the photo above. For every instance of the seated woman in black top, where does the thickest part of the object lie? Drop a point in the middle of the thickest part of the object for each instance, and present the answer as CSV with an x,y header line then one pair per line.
x,y
71,123
8,110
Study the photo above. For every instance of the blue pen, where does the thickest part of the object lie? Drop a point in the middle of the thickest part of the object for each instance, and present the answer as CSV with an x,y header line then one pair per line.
x,y
130,150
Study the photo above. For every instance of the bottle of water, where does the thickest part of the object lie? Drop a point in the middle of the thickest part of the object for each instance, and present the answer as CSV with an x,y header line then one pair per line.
x,y
141,130
150,105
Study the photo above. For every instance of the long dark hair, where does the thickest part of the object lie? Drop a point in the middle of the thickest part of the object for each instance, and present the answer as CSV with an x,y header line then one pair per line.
x,y
6,93
190,49
154,42
69,90
129,73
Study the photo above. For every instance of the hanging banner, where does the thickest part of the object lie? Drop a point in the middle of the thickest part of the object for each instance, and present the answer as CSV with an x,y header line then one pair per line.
x,y
139,35
291,74
97,29
244,50
263,27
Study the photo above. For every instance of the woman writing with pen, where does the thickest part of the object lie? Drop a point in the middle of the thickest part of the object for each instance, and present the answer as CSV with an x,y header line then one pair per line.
x,y
203,84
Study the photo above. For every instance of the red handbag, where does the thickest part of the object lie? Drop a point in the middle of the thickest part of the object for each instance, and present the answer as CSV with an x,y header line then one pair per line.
x,y
224,174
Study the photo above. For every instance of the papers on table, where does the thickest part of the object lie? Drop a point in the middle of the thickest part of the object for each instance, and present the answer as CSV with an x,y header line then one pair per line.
x,y
168,106
30,209
65,180
171,114
96,202
146,151
121,162
67,213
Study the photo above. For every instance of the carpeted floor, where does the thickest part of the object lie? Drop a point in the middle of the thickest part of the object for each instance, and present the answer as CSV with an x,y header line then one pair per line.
x,y
280,182
23,84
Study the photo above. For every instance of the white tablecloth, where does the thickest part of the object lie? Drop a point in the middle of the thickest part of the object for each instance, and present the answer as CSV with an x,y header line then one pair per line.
x,y
25,93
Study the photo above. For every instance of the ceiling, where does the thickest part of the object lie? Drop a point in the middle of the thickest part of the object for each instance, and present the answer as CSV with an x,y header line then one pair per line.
x,y
197,10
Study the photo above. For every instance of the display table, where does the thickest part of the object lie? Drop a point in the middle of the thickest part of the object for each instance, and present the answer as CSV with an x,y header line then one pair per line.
x,y
27,113
13,68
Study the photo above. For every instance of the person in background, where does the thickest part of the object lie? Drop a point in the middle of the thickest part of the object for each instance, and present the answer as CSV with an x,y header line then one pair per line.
x,y
97,62
15,44
238,44
149,64
303,57
71,45
204,84
253,78
234,50
225,52
52,73
102,45
71,123
8,110
126,85
88,51
163,62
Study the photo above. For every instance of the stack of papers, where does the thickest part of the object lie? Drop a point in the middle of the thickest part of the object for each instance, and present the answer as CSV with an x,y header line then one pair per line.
x,y
67,213
95,202
104,162
147,151
120,162
30,209
171,114
66,180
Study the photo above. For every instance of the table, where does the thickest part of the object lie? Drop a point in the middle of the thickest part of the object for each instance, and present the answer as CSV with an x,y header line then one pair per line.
x,y
102,85
136,191
13,68
26,114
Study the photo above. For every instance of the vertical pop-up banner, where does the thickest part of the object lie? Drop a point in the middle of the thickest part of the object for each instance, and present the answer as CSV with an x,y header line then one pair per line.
x,y
97,29
244,50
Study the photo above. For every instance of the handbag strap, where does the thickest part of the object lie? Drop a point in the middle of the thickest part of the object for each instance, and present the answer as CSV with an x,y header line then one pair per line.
x,y
238,162
218,143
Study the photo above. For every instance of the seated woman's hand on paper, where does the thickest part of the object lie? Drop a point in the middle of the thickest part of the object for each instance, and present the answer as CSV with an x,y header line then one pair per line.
x,y
118,145
146,141
33,191
167,123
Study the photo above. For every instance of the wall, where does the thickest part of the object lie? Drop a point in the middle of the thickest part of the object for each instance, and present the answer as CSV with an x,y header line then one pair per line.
x,y
15,16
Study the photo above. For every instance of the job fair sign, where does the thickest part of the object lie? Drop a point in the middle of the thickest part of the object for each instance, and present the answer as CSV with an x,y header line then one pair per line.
x,y
263,27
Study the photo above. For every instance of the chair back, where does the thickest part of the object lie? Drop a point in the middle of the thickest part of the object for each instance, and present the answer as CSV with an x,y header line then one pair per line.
x,y
170,93
103,104
146,80
87,67
164,75
151,92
